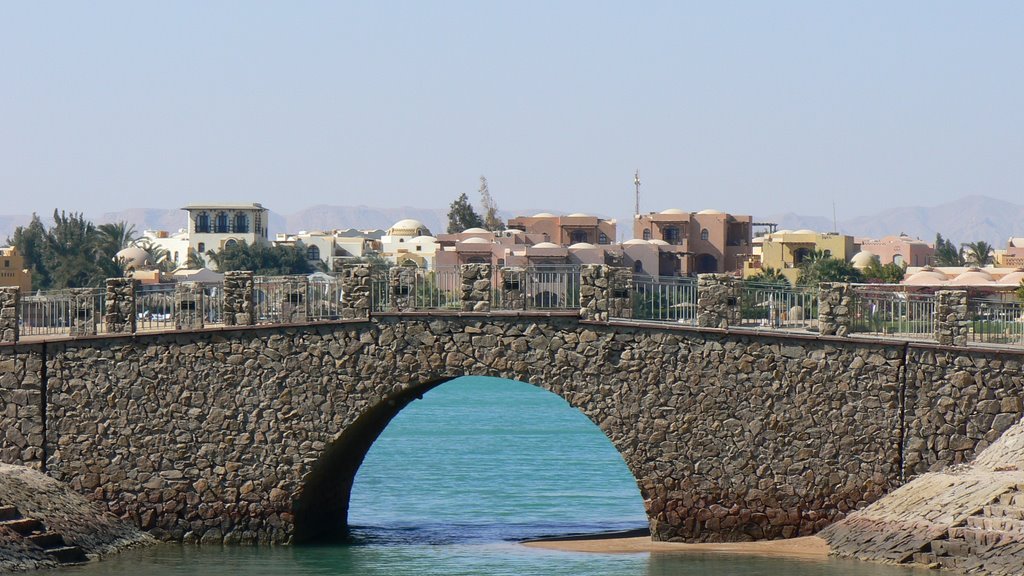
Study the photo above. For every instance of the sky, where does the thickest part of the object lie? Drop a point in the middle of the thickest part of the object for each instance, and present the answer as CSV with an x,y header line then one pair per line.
x,y
749,107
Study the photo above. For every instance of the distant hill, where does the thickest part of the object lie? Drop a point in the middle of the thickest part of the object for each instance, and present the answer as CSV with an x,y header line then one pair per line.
x,y
964,220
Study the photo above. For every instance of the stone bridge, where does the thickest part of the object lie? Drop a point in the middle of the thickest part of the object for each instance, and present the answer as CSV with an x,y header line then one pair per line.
x,y
245,433
254,434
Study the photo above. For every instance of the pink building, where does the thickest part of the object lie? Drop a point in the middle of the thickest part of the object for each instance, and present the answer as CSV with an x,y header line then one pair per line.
x,y
902,250
567,230
714,241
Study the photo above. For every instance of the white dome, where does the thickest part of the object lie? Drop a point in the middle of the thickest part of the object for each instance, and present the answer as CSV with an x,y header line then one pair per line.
x,y
805,231
546,245
581,246
579,215
545,215
635,241
929,277
782,232
421,239
658,242
862,259
408,227
672,211
475,231
476,241
134,257
710,211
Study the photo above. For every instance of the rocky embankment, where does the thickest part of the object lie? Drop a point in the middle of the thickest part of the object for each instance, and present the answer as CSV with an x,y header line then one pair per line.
x,y
968,519
44,524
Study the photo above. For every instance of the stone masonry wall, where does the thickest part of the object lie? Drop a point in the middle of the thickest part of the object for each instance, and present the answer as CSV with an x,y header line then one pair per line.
x,y
835,307
9,314
476,287
951,321
119,302
239,309
21,406
717,301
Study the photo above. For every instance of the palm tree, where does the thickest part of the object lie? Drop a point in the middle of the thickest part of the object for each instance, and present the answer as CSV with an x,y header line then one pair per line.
x,y
977,253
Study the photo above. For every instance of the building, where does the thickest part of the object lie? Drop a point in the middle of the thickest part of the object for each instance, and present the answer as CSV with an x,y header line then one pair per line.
x,y
211,227
714,241
175,244
1013,256
12,270
409,240
987,279
901,250
785,250
334,248
566,230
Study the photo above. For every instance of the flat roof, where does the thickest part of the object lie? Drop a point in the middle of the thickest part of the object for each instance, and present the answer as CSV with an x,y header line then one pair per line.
x,y
253,206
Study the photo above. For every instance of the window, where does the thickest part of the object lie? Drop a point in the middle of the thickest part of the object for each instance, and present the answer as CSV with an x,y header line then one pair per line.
x,y
313,253
419,248
203,223
259,223
638,267
231,242
898,260
647,234
220,226
7,263
704,234
241,223
602,238
670,234
201,247
175,256
578,236
827,253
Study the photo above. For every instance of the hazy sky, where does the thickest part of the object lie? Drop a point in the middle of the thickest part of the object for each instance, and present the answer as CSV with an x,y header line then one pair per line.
x,y
752,107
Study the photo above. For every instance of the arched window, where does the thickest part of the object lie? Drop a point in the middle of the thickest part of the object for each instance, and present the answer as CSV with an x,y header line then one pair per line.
x,y
313,253
231,242
647,234
638,267
898,260
704,234
220,226
202,223
241,223
670,234
602,238
578,236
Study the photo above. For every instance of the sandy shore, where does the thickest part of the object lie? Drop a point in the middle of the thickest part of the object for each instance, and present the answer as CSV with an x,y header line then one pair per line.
x,y
806,547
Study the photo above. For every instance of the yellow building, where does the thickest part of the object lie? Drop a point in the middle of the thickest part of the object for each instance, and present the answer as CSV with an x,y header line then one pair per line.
x,y
785,250
12,270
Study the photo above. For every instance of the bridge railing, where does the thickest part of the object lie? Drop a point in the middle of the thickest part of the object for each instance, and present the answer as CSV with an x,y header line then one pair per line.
x,y
323,299
892,310
779,306
154,306
994,322
74,311
665,298
552,287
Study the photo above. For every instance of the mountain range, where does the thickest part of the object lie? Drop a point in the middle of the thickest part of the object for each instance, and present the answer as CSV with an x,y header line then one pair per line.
x,y
967,219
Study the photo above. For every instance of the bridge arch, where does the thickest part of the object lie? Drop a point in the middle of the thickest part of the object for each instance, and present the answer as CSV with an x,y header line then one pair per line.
x,y
322,504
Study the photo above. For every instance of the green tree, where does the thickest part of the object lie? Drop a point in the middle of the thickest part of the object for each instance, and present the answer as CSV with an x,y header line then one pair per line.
x,y
462,216
30,241
1019,292
977,253
946,253
491,219
195,260
827,269
262,259
891,273
71,253
769,275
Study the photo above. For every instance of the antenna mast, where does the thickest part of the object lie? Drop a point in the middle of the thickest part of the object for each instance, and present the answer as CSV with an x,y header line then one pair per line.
x,y
636,182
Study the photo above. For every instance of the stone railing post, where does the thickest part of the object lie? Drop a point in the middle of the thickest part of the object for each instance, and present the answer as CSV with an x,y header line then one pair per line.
x,y
620,292
238,299
951,320
119,316
294,290
402,286
718,302
513,288
476,287
835,308
356,290
9,310
82,308
188,306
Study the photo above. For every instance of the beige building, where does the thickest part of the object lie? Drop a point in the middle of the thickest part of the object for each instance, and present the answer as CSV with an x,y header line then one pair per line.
x,y
714,241
12,270
566,230
409,240
785,250
211,227
1013,256
330,248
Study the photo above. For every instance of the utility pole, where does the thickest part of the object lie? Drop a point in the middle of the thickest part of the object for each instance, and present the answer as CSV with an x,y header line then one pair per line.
x,y
636,182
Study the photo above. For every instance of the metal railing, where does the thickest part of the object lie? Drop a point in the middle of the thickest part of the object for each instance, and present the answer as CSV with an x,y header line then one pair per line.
x,y
665,298
994,322
552,288
323,299
267,298
778,305
213,302
893,311
154,307
58,312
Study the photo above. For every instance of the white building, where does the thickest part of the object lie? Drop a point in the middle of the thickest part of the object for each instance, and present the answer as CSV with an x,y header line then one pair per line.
x,y
333,247
409,240
211,227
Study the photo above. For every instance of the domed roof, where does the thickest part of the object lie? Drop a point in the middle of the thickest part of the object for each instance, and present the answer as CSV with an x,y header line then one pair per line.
x,y
408,227
1013,278
581,246
546,245
475,231
710,211
658,242
544,215
476,240
134,257
973,276
512,231
862,259
421,239
635,241
579,215
672,211
804,231
782,232
926,277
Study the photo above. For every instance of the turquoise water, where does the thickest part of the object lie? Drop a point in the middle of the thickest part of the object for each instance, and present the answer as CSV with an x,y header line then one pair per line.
x,y
454,480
